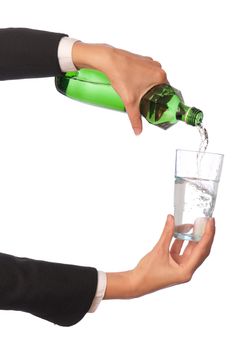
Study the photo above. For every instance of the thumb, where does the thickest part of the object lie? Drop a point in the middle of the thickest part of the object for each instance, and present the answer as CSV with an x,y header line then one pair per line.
x,y
135,118
167,233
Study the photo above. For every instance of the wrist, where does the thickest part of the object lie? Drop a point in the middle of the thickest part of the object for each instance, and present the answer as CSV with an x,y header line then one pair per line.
x,y
94,56
79,54
120,285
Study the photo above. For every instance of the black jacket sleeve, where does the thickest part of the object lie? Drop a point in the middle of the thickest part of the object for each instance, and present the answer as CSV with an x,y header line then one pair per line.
x,y
58,293
28,53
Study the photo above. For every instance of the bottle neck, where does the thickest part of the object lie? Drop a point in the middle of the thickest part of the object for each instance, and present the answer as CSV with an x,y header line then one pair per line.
x,y
183,112
189,115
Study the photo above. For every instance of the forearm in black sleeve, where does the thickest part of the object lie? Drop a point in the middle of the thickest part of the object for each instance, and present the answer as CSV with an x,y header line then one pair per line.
x,y
28,53
58,293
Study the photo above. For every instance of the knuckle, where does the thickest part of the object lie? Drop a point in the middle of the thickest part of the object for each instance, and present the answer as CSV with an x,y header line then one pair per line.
x,y
158,64
129,101
162,76
205,251
186,276
106,45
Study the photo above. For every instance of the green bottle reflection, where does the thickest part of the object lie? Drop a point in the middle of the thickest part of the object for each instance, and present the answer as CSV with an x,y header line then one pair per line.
x,y
162,105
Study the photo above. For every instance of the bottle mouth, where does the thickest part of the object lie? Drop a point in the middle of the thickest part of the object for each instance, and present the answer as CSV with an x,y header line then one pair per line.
x,y
195,116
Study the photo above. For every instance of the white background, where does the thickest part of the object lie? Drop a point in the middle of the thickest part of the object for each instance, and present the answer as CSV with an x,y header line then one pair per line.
x,y
76,185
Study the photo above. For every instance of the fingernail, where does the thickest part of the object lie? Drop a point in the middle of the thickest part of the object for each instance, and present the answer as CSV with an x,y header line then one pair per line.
x,y
137,131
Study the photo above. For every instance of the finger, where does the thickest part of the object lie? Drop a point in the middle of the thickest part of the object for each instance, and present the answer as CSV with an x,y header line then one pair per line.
x,y
135,118
167,233
203,247
176,247
189,248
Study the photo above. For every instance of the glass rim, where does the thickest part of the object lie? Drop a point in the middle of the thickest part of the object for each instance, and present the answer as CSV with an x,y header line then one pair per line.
x,y
187,150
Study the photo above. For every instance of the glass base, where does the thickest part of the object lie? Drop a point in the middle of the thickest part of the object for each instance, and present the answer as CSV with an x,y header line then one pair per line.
x,y
187,237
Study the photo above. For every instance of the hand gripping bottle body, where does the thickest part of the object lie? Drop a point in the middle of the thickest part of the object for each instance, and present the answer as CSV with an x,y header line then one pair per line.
x,y
162,105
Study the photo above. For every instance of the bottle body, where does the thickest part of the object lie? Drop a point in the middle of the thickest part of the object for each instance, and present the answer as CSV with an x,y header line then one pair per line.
x,y
162,105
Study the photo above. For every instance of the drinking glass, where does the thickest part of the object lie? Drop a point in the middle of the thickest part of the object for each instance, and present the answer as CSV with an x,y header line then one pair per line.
x,y
197,176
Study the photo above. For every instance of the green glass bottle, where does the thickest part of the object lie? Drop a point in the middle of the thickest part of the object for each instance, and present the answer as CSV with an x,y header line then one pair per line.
x,y
162,105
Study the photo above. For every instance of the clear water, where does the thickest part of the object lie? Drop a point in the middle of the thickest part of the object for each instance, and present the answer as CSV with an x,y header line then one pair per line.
x,y
204,137
204,141
194,203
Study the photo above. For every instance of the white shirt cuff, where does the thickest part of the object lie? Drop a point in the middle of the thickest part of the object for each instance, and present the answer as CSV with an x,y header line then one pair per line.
x,y
64,54
100,292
